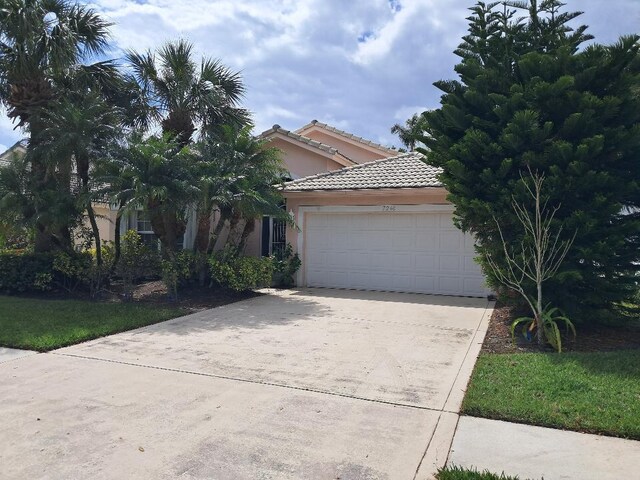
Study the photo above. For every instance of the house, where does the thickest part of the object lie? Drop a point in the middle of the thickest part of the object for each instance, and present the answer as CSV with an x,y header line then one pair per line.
x,y
367,217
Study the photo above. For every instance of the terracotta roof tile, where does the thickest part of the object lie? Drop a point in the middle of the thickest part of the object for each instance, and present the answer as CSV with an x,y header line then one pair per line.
x,y
347,135
402,171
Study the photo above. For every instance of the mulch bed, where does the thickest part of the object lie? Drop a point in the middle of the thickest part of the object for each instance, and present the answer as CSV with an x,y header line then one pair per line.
x,y
192,298
153,292
590,338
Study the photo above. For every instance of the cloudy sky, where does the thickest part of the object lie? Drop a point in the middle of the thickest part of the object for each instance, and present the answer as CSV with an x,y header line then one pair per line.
x,y
360,65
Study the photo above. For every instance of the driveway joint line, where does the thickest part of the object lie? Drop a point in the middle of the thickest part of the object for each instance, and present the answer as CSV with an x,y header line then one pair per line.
x,y
466,354
424,454
255,382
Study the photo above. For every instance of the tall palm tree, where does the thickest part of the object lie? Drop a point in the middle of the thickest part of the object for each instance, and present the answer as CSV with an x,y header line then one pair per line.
x,y
42,42
410,132
183,95
82,130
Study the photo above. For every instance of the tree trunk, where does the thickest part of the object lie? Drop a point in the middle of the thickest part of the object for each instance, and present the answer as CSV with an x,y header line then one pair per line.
x,y
201,242
225,214
233,225
541,336
249,227
96,233
43,241
116,239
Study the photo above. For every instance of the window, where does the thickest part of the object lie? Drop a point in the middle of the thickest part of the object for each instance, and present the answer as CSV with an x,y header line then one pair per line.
x,y
274,236
145,230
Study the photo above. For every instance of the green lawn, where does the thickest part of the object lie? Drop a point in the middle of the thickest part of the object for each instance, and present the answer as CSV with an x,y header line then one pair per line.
x,y
43,325
590,392
459,473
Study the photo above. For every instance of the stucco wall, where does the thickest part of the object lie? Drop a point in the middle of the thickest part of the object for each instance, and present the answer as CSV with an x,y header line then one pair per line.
x,y
106,220
302,162
359,153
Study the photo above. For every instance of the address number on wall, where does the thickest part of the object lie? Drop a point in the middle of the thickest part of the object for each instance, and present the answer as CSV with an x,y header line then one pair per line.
x,y
388,208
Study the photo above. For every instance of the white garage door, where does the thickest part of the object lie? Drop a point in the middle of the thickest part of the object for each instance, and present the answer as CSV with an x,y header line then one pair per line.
x,y
402,252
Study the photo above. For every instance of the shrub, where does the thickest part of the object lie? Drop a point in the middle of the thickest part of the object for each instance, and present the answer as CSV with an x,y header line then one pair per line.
x,y
73,269
240,273
178,271
285,266
136,261
25,272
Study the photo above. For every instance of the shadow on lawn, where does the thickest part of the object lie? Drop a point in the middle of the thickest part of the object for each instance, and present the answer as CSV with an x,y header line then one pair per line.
x,y
621,363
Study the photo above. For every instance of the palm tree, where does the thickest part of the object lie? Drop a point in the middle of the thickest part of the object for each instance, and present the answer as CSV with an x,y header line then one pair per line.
x,y
83,131
183,96
42,43
157,175
239,178
410,132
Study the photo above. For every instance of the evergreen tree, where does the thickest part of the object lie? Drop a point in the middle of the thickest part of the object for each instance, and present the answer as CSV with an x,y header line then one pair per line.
x,y
530,95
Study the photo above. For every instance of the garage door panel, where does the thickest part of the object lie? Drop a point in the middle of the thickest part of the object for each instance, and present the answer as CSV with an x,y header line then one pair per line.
x,y
379,240
403,240
451,285
449,263
405,252
426,263
426,241
428,221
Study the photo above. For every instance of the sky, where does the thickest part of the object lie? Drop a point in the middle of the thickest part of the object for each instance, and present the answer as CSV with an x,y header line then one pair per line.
x,y
359,65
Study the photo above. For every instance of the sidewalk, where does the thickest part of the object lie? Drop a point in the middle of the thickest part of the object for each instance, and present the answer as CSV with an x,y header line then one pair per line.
x,y
535,452
7,354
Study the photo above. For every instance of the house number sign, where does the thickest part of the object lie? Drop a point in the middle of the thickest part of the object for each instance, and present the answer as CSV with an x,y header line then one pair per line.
x,y
388,208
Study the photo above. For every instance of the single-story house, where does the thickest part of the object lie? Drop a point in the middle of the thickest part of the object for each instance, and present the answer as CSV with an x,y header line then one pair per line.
x,y
377,221
366,218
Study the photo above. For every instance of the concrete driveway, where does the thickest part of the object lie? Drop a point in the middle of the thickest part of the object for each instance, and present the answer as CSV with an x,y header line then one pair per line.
x,y
317,384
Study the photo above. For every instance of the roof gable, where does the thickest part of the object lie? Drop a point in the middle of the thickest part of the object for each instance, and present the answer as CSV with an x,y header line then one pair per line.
x,y
326,150
329,130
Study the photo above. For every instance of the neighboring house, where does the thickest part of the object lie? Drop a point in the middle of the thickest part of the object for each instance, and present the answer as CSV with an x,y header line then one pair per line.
x,y
18,148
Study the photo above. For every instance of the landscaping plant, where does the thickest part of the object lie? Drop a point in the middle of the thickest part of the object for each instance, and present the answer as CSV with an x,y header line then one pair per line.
x,y
239,273
531,94
526,266
285,266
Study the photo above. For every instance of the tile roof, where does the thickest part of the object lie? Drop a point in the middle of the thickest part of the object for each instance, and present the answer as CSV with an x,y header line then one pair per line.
x,y
301,138
345,134
402,171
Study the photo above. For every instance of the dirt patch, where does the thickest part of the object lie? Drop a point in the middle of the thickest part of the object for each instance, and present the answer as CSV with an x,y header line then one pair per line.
x,y
590,338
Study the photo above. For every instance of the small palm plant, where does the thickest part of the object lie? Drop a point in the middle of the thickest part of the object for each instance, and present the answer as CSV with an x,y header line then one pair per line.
x,y
549,319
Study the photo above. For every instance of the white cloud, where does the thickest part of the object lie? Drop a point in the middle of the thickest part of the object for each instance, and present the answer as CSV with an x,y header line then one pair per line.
x,y
8,136
301,59
3,148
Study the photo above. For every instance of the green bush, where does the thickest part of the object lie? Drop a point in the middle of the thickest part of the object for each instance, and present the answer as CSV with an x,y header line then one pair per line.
x,y
240,273
285,266
73,269
179,271
25,272
136,261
